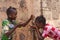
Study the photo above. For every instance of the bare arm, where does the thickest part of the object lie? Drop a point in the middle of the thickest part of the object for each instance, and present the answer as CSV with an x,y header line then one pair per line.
x,y
24,24
11,31
18,25
39,35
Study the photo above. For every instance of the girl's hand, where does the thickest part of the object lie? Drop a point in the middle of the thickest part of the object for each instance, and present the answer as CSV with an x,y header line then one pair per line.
x,y
32,17
34,27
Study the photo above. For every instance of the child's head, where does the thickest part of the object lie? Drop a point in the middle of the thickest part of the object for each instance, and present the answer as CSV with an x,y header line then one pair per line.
x,y
40,21
11,13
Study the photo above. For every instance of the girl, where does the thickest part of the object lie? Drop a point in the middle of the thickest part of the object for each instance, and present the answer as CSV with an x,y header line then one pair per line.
x,y
9,25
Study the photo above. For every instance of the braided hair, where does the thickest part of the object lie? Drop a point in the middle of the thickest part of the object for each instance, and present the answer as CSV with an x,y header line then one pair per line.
x,y
11,10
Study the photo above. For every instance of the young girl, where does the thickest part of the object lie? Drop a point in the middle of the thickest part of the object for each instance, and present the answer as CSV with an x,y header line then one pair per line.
x,y
10,24
47,29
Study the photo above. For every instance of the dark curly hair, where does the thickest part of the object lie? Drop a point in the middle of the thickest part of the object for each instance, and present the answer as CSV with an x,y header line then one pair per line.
x,y
41,19
11,10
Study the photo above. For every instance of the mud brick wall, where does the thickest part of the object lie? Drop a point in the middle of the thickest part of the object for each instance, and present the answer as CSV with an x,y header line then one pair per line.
x,y
51,10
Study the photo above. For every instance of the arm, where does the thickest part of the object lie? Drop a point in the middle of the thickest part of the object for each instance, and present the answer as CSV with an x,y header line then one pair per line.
x,y
8,32
39,34
24,24
11,31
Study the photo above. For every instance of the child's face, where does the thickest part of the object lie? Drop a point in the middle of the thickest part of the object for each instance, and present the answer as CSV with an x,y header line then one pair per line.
x,y
39,25
12,16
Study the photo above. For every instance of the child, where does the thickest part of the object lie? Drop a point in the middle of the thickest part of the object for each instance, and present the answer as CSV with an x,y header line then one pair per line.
x,y
48,30
9,25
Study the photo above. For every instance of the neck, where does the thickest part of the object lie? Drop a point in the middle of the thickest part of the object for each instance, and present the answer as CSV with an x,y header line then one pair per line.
x,y
10,19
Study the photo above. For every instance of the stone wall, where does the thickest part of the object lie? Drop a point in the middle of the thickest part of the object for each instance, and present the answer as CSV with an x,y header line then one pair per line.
x,y
51,10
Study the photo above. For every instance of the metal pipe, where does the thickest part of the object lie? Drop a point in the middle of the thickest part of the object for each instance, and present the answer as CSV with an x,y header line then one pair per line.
x,y
41,7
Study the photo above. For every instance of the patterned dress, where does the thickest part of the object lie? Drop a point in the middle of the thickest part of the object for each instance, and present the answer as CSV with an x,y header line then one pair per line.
x,y
7,26
51,31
